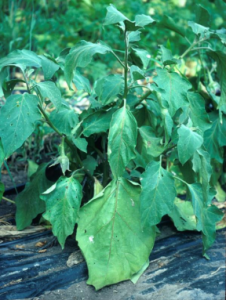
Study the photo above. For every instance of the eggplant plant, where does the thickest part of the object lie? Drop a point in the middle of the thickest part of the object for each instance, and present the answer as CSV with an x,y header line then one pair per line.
x,y
149,135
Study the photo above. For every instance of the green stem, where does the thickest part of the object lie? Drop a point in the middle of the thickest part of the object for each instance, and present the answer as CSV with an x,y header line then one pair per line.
x,y
192,46
118,59
48,120
98,152
11,201
144,97
180,179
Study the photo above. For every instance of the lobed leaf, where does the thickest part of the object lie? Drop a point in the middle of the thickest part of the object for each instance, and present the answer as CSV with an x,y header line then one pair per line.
x,y
63,201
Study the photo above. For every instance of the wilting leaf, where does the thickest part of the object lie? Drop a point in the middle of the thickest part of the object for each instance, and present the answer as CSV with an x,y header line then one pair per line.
x,y
63,201
110,235
189,142
158,194
19,114
122,140
28,202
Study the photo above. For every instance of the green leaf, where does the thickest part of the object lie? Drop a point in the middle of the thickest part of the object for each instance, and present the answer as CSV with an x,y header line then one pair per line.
x,y
202,15
49,67
21,58
136,73
80,143
80,56
97,122
167,57
189,142
198,113
2,190
182,215
3,75
107,88
143,20
81,83
220,58
114,16
110,234
207,216
64,119
32,168
150,141
63,201
158,194
169,23
97,187
175,89
28,202
198,29
201,163
2,153
121,140
90,164
215,139
221,195
134,36
19,113
220,34
139,57
49,90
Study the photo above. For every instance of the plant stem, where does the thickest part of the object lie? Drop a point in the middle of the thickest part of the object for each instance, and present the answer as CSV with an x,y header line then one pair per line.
x,y
192,46
126,65
98,152
118,59
48,120
67,141
11,201
144,97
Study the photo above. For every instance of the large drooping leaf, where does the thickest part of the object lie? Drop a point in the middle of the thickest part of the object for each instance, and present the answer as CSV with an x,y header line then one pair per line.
x,y
28,202
170,24
182,215
49,67
107,88
220,58
215,138
63,201
64,119
22,58
81,55
202,15
197,111
151,142
175,87
49,90
207,216
158,194
110,234
189,142
97,122
121,140
19,113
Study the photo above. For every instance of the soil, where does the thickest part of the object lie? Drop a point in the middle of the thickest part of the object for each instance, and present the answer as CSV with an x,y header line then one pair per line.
x,y
177,271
